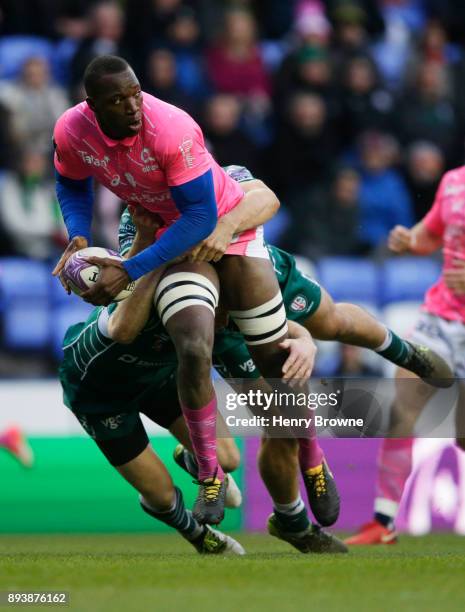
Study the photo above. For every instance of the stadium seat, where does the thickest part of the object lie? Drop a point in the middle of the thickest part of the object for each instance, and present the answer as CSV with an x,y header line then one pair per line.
x,y
59,296
63,316
15,50
22,278
407,278
26,324
349,278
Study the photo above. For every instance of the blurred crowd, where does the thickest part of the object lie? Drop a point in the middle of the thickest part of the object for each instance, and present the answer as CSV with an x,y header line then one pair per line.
x,y
350,109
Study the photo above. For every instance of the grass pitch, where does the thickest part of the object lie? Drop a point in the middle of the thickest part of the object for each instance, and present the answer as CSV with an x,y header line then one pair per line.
x,y
157,572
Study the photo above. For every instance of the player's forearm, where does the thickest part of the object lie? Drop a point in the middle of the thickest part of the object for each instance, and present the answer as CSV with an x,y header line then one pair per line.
x,y
423,241
130,316
257,207
76,202
139,244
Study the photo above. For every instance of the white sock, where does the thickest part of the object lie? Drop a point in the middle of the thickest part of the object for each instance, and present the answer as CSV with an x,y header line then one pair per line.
x,y
294,507
387,341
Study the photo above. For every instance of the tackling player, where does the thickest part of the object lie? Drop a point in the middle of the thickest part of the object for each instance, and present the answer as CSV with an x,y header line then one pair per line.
x,y
440,326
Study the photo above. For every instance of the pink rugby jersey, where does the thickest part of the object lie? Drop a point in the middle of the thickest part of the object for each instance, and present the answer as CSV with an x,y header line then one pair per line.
x,y
447,220
169,150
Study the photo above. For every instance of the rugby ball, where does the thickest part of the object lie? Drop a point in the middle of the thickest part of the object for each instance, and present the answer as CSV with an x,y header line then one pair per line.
x,y
81,275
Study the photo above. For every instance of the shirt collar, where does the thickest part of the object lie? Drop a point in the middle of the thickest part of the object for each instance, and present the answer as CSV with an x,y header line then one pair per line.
x,y
126,142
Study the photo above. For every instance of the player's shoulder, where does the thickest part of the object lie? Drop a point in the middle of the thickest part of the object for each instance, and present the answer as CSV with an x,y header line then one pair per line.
x,y
454,177
163,114
73,119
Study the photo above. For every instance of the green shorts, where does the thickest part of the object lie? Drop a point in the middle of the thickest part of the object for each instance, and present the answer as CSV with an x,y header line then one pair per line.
x,y
301,296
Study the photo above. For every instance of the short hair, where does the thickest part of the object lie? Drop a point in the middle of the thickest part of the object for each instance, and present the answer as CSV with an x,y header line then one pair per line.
x,y
100,67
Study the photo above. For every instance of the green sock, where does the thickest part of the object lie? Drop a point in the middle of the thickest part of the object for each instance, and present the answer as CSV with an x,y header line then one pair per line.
x,y
292,517
394,349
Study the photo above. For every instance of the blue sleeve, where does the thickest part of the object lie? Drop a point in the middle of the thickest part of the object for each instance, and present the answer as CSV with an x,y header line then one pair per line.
x,y
196,202
76,199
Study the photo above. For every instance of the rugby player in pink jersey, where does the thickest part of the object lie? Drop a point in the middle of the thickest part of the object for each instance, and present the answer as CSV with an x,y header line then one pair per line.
x,y
152,154
440,327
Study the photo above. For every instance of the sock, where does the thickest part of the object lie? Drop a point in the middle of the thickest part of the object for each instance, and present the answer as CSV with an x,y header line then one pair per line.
x,y
310,453
394,467
202,429
177,517
293,517
394,349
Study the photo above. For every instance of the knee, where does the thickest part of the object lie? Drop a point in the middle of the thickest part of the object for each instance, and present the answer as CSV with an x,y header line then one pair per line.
x,y
195,354
279,449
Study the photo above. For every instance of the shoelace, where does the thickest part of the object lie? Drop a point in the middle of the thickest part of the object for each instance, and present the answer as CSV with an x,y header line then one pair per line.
x,y
319,483
211,491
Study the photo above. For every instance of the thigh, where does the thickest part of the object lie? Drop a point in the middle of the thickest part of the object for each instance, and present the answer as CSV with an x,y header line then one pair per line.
x,y
246,282
160,403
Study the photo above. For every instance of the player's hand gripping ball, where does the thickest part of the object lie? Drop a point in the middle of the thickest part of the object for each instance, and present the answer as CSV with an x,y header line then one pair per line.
x,y
81,275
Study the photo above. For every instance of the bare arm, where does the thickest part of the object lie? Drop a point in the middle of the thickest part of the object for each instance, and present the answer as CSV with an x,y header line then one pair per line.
x,y
418,240
258,206
130,316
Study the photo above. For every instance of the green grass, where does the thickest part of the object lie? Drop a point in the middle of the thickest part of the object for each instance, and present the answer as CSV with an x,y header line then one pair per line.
x,y
160,572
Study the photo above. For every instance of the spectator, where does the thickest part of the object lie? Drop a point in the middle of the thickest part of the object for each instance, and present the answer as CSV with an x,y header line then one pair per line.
x,y
184,40
425,167
367,105
105,30
224,137
161,80
235,65
384,198
8,148
428,112
312,73
304,150
35,104
350,32
29,212
330,224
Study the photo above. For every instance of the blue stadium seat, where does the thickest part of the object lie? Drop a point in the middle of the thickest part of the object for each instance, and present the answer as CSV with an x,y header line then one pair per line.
x,y
58,295
407,278
15,50
63,316
349,278
23,278
26,324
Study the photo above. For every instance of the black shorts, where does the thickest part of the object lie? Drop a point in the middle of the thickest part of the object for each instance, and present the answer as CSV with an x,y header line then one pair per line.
x,y
121,436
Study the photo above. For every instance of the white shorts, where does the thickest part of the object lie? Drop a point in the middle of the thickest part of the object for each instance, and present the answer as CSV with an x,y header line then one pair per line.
x,y
447,338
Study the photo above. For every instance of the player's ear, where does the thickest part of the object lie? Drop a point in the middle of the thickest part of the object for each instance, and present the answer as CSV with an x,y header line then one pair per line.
x,y
91,103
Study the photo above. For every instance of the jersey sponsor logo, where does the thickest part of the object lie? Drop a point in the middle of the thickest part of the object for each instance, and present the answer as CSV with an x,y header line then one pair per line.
x,y
248,366
134,360
91,160
147,160
116,180
113,422
299,303
149,198
186,150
